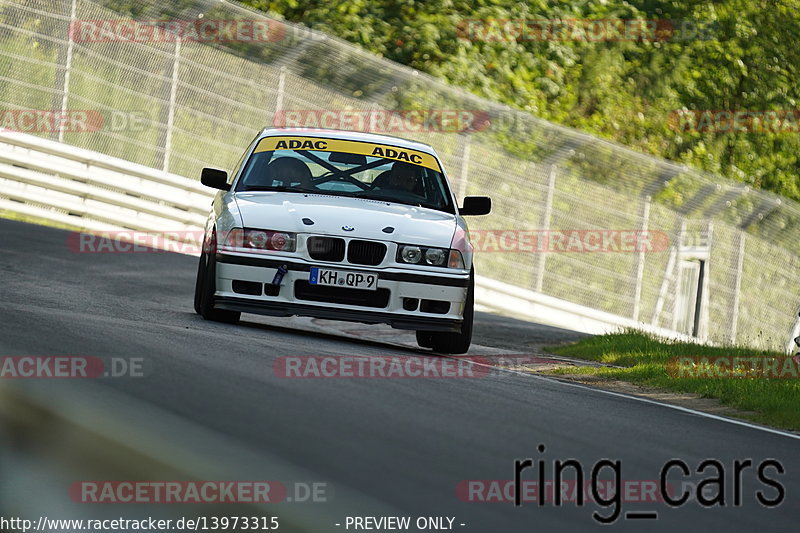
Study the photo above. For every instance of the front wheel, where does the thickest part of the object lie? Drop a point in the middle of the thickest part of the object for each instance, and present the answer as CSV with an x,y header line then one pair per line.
x,y
198,284
206,286
425,339
453,342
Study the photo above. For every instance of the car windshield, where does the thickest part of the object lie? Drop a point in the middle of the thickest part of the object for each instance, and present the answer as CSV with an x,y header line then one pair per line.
x,y
346,168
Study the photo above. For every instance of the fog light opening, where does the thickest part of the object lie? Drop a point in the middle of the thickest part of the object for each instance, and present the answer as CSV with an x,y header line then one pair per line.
x,y
439,307
246,287
410,304
272,290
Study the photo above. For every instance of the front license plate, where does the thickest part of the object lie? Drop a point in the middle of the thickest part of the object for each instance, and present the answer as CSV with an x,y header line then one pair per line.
x,y
344,278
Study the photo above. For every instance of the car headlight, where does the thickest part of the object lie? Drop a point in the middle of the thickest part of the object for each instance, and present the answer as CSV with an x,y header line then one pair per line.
x,y
435,256
410,254
421,255
261,239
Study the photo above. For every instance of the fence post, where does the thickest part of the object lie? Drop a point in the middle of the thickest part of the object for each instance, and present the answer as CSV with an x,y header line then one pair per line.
x,y
737,287
544,237
173,94
279,96
669,274
373,112
73,13
790,347
702,312
463,175
637,295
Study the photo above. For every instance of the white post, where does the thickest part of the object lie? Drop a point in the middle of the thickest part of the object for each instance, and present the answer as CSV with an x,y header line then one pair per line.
x,y
637,296
795,332
702,310
737,288
464,174
67,67
279,97
173,94
669,275
371,124
548,212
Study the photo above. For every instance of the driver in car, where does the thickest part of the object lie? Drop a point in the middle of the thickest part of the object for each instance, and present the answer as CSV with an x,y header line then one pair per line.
x,y
291,172
404,176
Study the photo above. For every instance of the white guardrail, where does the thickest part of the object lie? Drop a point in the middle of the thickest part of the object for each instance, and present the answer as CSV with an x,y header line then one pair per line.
x,y
70,185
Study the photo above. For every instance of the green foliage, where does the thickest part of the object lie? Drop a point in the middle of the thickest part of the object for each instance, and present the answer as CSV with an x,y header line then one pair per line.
x,y
745,58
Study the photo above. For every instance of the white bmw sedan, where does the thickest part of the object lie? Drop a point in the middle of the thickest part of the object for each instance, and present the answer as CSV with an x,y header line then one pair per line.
x,y
344,226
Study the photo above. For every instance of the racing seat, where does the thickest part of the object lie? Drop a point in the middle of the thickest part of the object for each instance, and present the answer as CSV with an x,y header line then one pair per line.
x,y
289,171
382,180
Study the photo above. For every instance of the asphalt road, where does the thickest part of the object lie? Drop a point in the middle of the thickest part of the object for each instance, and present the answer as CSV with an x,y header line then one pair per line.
x,y
405,444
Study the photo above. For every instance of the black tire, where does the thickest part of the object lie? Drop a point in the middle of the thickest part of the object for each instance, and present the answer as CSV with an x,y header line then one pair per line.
x,y
457,342
198,284
425,339
206,286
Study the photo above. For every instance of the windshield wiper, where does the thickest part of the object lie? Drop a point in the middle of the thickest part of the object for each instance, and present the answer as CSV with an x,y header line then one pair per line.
x,y
368,196
388,199
283,188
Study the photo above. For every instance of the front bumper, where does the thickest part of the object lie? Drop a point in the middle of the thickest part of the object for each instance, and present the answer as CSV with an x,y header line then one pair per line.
x,y
297,297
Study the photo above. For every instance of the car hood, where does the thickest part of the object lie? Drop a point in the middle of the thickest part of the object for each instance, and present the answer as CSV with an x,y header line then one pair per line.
x,y
286,211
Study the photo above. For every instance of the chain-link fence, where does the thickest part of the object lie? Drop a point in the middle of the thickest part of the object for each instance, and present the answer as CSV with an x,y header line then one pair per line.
x,y
190,84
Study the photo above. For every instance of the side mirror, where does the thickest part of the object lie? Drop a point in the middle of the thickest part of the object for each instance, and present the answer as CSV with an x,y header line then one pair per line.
x,y
216,179
476,205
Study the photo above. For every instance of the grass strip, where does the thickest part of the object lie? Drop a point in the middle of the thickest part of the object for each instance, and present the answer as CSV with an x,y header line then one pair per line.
x,y
690,368
40,221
